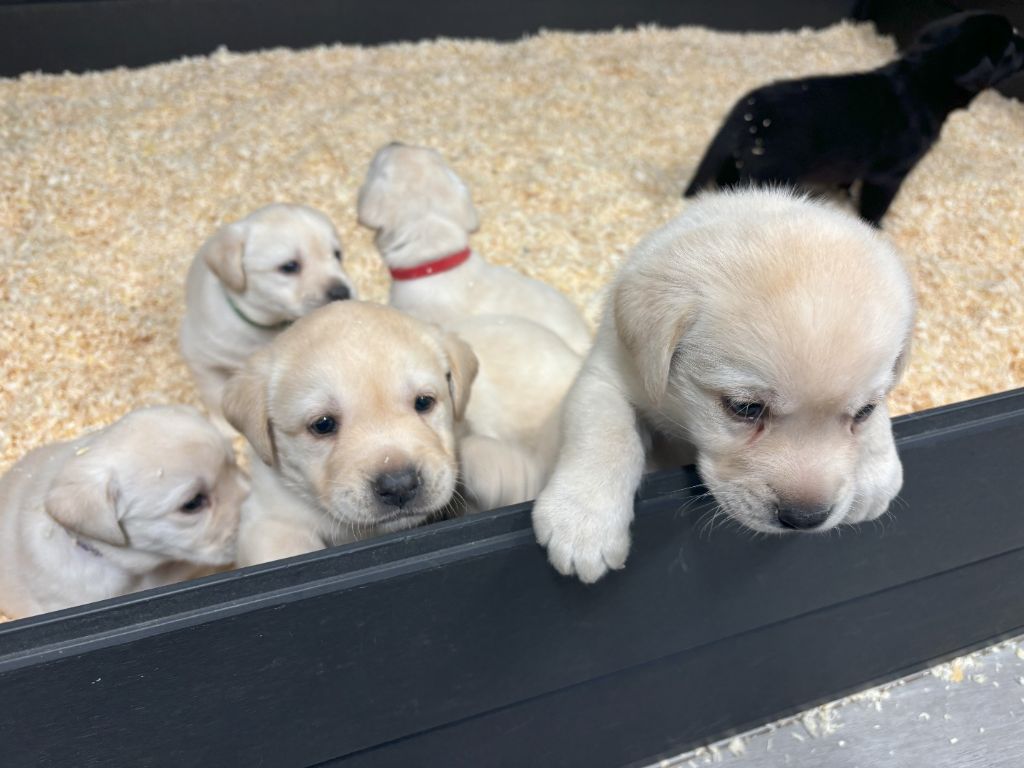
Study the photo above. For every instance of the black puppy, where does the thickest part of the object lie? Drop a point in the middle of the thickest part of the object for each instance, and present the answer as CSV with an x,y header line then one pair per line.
x,y
872,126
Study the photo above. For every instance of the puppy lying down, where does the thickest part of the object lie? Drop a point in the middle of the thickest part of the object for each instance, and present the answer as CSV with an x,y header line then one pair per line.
x,y
870,127
150,500
358,415
248,282
760,331
423,215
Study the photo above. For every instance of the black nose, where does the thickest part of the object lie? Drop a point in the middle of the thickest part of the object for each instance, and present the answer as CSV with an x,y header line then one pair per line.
x,y
802,517
338,292
396,489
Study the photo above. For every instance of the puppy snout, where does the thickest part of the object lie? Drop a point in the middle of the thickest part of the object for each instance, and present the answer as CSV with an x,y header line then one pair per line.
x,y
338,292
802,517
396,489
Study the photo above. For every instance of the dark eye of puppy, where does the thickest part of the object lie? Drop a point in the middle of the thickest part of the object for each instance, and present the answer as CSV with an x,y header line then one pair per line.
x,y
337,254
197,503
290,267
745,410
323,426
862,415
424,403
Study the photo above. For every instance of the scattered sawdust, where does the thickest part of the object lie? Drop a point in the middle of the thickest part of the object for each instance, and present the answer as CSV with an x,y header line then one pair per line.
x,y
737,746
825,720
574,145
953,671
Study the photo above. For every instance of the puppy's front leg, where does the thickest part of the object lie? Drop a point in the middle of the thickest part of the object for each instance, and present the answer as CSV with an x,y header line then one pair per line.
x,y
268,540
210,382
583,514
876,196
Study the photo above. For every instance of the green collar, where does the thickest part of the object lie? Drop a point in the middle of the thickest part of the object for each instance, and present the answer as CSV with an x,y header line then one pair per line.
x,y
275,327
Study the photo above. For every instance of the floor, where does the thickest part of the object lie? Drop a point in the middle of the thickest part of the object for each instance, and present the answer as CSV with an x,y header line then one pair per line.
x,y
968,713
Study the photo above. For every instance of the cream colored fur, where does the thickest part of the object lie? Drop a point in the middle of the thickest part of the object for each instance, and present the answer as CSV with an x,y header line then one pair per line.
x,y
364,365
102,515
241,264
421,211
748,297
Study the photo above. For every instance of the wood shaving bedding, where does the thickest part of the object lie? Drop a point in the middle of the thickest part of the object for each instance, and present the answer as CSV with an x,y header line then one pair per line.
x,y
574,145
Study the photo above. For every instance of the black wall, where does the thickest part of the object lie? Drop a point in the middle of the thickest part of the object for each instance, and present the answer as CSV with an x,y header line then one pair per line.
x,y
52,36
100,34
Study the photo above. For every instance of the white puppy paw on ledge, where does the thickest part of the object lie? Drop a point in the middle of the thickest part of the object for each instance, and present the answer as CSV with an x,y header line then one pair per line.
x,y
760,331
582,538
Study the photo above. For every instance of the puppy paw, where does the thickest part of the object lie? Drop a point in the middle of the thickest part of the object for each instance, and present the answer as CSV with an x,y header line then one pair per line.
x,y
582,539
497,473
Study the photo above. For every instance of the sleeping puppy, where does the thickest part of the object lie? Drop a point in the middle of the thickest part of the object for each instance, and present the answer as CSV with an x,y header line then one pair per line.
x,y
423,215
248,282
871,127
760,331
356,414
151,499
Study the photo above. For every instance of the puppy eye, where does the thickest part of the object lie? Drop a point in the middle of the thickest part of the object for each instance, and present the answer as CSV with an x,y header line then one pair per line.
x,y
863,413
290,267
424,403
197,503
325,425
745,410
337,254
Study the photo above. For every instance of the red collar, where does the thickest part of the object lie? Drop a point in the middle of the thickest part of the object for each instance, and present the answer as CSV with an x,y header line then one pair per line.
x,y
435,267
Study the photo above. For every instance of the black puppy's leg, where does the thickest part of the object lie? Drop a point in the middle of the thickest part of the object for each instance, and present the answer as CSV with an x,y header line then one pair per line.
x,y
718,162
876,197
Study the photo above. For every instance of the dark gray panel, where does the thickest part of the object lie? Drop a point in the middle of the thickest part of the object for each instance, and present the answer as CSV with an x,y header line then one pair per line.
x,y
100,34
439,636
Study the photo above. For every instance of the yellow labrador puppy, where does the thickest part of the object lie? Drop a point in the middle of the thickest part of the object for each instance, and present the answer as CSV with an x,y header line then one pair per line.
x,y
152,499
248,282
760,331
356,414
513,420
423,215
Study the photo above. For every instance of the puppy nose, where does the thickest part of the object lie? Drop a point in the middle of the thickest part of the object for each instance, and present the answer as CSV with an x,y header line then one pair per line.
x,y
396,489
803,517
338,292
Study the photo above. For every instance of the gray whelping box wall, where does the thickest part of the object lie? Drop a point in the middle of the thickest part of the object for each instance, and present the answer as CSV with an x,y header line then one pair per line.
x,y
457,644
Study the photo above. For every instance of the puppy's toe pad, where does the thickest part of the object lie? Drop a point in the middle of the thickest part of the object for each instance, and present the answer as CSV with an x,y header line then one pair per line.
x,y
581,543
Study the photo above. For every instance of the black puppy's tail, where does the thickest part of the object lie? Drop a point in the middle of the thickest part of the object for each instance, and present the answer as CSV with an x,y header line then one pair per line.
x,y
718,163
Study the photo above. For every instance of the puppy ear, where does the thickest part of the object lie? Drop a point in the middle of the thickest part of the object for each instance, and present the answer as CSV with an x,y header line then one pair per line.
x,y
979,77
651,315
372,203
245,405
463,210
464,367
83,498
223,255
